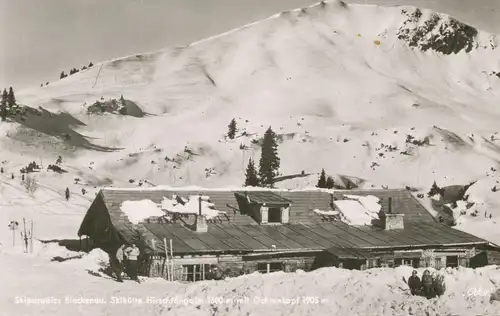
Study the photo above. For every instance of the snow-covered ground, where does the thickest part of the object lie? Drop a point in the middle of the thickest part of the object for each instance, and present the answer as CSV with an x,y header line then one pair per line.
x,y
343,92
32,285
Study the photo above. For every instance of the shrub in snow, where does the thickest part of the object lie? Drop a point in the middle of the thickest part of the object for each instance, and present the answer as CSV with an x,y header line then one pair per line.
x,y
56,168
435,190
30,184
31,167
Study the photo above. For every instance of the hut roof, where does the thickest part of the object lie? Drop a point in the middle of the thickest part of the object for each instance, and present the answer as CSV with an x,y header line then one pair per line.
x,y
265,197
227,237
403,203
242,234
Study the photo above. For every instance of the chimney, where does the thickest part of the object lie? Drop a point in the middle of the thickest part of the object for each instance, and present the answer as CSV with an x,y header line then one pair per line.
x,y
200,225
391,220
199,205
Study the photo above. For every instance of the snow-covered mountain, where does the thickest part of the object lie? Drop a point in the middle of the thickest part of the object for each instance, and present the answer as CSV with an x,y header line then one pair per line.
x,y
385,97
391,96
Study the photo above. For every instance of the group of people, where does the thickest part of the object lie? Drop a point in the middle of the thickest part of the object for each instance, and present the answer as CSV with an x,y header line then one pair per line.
x,y
126,260
432,285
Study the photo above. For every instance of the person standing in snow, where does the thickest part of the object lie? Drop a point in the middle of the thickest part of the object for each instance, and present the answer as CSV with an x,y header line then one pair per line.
x,y
132,254
414,283
67,194
427,284
438,284
116,263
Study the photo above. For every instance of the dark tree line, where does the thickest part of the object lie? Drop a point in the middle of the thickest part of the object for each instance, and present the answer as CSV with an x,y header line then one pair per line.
x,y
325,182
75,70
8,104
269,163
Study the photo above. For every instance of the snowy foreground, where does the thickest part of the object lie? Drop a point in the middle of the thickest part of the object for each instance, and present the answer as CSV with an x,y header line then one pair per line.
x,y
32,285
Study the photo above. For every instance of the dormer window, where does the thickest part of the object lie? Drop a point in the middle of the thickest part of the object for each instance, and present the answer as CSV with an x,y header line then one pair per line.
x,y
267,207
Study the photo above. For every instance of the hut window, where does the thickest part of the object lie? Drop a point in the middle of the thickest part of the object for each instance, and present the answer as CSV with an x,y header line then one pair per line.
x,y
452,261
412,262
373,263
464,262
194,272
274,215
437,263
268,267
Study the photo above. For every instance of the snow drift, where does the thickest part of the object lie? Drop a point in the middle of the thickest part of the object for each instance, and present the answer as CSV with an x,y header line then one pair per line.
x,y
328,291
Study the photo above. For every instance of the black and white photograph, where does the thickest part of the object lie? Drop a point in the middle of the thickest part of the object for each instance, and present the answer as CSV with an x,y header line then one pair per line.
x,y
250,157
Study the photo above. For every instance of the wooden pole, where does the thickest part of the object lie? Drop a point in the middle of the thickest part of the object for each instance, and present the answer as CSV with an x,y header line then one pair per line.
x,y
25,236
172,260
31,237
166,258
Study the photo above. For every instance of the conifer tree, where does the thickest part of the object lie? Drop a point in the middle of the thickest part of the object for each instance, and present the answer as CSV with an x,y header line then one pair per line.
x,y
63,75
269,163
232,129
330,183
322,180
11,99
122,100
91,64
3,105
251,178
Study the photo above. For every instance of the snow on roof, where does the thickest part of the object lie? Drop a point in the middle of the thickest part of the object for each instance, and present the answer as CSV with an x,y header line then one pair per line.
x,y
191,206
138,211
331,212
354,212
370,202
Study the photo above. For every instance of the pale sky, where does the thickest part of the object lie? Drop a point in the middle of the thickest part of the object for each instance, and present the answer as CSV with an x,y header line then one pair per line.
x,y
40,38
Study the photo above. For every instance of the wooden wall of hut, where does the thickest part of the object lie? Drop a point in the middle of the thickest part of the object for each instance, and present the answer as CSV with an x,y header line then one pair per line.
x,y
231,266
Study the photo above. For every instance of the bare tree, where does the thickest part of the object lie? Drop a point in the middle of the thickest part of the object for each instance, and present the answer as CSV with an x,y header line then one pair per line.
x,y
30,184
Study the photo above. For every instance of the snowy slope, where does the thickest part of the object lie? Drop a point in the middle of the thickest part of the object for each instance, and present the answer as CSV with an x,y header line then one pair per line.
x,y
345,86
